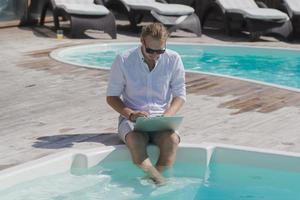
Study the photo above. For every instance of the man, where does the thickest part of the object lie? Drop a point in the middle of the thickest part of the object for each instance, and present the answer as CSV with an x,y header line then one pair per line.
x,y
148,81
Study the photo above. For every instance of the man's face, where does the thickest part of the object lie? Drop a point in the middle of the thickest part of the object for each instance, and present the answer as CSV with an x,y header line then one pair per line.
x,y
152,48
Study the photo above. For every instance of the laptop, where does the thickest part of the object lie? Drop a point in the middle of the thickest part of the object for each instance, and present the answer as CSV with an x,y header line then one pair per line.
x,y
152,124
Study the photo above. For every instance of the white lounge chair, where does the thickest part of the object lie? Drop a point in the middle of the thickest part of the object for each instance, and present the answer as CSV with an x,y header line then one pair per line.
x,y
246,13
292,8
173,16
83,15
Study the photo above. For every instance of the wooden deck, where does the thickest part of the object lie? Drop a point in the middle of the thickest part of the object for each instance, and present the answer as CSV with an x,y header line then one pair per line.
x,y
47,106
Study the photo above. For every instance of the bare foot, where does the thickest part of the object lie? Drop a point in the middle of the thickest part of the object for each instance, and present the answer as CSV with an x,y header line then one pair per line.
x,y
156,177
159,182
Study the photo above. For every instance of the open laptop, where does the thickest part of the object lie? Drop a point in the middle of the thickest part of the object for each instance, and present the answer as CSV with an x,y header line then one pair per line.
x,y
151,124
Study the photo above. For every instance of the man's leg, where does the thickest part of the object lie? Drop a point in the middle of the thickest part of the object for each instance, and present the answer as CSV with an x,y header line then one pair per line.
x,y
137,145
167,143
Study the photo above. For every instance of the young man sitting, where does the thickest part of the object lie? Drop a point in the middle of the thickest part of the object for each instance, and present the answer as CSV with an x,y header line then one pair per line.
x,y
147,81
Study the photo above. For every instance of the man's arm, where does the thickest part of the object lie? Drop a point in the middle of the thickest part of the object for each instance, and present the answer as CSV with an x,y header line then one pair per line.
x,y
115,87
117,104
176,104
178,90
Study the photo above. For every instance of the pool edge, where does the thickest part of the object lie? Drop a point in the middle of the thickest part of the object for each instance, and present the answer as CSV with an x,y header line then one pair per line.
x,y
63,161
54,55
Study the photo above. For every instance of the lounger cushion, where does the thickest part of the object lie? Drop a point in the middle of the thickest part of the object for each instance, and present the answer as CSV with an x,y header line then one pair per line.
x,y
160,8
294,6
261,13
249,9
237,4
73,1
172,9
87,9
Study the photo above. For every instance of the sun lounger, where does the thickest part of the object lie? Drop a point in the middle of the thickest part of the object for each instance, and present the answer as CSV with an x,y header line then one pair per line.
x,y
247,14
173,16
292,8
83,15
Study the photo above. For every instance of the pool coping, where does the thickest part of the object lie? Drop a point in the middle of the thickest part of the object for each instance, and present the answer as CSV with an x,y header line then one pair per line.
x,y
85,158
55,55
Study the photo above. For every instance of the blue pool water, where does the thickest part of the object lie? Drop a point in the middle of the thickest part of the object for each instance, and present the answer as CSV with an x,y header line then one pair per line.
x,y
122,180
275,66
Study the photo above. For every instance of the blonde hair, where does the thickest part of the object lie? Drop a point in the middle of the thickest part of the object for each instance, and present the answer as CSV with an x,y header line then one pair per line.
x,y
156,31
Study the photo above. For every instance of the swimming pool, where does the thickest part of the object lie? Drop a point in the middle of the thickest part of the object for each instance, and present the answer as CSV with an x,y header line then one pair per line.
x,y
279,67
202,171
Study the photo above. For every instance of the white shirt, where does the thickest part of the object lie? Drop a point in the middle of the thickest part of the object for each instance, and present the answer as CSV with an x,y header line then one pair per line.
x,y
145,90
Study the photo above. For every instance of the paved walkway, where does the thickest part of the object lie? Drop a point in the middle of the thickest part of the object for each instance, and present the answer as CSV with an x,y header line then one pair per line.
x,y
47,106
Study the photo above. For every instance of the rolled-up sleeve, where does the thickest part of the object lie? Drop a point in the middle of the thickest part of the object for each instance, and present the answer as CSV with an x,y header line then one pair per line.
x,y
178,80
116,81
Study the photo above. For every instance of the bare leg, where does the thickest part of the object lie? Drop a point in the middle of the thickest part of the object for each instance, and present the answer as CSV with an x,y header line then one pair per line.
x,y
167,143
137,144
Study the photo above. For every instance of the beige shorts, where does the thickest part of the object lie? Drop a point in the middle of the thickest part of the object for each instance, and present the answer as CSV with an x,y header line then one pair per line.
x,y
126,126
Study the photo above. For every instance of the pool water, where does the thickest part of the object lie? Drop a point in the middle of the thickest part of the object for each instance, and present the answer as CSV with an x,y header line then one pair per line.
x,y
122,180
275,66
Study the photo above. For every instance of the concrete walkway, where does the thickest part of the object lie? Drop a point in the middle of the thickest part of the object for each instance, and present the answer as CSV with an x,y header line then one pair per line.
x,y
47,106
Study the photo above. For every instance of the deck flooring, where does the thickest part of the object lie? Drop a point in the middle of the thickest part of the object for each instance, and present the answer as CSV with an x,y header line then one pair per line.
x,y
47,106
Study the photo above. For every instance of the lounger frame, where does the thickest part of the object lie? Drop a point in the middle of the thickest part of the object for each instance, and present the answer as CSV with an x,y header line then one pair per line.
x,y
256,27
80,23
191,23
295,18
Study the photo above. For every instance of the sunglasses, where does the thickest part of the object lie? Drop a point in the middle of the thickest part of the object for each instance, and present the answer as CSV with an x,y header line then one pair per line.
x,y
157,51
152,51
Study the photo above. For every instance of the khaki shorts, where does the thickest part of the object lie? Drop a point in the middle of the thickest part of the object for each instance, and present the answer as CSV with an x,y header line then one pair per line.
x,y
126,126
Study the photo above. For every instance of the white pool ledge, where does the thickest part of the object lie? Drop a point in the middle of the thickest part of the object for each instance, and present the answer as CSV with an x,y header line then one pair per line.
x,y
202,154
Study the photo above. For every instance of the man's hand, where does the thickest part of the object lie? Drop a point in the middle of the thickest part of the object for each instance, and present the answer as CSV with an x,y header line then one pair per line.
x,y
135,114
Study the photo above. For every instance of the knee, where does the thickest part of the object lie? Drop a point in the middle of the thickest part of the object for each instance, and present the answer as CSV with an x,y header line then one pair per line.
x,y
175,139
134,139
172,140
130,139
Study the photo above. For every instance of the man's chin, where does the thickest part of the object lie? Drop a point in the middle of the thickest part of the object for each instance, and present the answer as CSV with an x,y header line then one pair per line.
x,y
153,59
